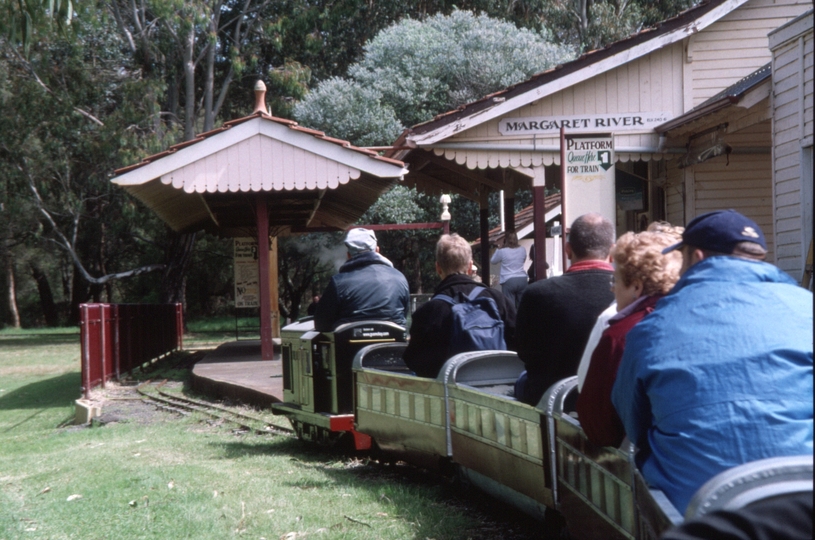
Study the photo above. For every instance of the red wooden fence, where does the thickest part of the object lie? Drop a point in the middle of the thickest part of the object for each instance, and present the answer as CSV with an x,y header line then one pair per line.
x,y
116,338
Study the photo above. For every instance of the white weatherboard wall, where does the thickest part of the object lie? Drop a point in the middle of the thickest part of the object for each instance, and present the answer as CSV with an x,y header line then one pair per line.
x,y
733,47
792,48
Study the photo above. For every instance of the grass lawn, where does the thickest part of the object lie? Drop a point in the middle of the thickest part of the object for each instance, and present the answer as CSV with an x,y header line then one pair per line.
x,y
156,474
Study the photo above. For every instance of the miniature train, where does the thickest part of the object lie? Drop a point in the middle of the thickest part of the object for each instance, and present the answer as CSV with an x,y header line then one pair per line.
x,y
353,384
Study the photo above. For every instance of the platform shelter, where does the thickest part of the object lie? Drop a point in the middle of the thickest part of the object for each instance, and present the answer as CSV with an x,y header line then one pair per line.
x,y
263,177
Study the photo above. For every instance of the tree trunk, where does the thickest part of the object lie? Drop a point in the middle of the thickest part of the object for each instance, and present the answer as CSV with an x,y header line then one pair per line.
x,y
189,86
49,308
12,294
178,259
79,294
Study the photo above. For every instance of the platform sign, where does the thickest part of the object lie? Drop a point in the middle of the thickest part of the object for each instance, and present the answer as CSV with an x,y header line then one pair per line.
x,y
589,176
247,283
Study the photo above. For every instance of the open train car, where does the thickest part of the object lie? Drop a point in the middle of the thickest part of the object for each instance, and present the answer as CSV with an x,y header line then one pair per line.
x,y
466,421
317,382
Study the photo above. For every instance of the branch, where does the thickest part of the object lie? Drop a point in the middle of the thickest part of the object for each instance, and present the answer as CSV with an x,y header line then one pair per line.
x,y
66,245
33,73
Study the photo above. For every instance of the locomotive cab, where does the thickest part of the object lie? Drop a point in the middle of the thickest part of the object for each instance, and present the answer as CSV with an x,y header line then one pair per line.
x,y
317,378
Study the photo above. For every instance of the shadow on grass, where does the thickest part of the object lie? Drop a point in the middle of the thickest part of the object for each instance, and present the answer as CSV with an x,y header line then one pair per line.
x,y
486,518
57,391
37,340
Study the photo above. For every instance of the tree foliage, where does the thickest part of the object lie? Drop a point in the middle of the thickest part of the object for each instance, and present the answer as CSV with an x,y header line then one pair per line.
x,y
415,69
593,24
87,87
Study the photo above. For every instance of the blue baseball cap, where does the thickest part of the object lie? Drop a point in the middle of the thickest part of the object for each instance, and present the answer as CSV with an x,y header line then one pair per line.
x,y
720,231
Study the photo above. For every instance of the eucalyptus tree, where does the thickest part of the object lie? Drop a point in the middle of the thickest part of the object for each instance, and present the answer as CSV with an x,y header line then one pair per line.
x,y
593,24
416,69
70,110
408,73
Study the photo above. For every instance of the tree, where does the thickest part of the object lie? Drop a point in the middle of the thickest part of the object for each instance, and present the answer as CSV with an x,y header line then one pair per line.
x,y
410,72
60,133
414,70
593,24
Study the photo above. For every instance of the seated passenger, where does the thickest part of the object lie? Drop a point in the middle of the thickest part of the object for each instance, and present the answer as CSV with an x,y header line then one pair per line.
x,y
720,373
785,517
609,312
642,275
556,315
367,287
431,327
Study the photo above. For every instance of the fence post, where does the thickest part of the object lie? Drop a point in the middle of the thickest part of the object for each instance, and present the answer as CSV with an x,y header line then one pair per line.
x,y
103,342
116,341
86,361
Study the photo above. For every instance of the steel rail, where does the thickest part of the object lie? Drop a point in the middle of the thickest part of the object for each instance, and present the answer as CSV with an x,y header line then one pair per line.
x,y
247,422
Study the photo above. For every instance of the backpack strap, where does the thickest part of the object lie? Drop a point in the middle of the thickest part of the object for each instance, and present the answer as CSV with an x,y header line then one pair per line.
x,y
445,298
475,292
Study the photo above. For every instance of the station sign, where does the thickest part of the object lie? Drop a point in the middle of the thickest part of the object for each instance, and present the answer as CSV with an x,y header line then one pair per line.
x,y
247,281
589,176
583,123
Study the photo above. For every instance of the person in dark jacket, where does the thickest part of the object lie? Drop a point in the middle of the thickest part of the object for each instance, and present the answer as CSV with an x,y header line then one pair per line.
x,y
430,330
367,287
642,275
556,315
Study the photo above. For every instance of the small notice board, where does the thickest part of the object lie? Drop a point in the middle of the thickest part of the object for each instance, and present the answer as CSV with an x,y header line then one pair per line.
x,y
247,283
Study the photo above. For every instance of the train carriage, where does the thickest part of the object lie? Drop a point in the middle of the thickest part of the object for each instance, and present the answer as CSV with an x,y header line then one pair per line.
x,y
406,415
535,458
498,443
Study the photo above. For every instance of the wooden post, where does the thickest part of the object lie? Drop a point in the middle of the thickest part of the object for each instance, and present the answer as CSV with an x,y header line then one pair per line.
x,y
539,219
484,213
509,202
262,219
563,198
274,292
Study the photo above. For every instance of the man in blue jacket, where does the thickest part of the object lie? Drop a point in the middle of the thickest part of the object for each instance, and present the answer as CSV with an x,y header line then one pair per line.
x,y
366,288
720,373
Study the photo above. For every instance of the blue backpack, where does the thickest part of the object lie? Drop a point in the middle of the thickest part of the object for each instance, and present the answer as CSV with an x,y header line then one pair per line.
x,y
477,324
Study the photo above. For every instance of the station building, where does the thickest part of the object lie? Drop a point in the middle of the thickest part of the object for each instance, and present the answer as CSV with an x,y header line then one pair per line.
x,y
710,109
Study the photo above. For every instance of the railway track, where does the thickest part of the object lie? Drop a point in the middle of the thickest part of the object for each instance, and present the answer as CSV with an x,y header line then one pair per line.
x,y
154,391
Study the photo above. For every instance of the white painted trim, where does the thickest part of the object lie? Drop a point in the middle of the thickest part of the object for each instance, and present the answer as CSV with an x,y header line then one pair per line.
x,y
551,214
574,78
756,95
802,119
790,30
240,132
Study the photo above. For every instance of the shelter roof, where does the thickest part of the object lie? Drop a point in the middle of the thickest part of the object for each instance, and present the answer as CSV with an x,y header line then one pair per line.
x,y
730,96
563,76
311,181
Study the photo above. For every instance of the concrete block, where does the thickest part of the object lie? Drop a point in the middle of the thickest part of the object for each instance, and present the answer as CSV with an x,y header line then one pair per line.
x,y
85,411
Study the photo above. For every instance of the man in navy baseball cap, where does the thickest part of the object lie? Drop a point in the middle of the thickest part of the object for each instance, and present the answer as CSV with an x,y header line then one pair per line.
x,y
723,232
720,373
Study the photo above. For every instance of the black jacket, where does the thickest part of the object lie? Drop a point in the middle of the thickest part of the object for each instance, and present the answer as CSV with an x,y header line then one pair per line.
x,y
431,325
366,288
555,318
